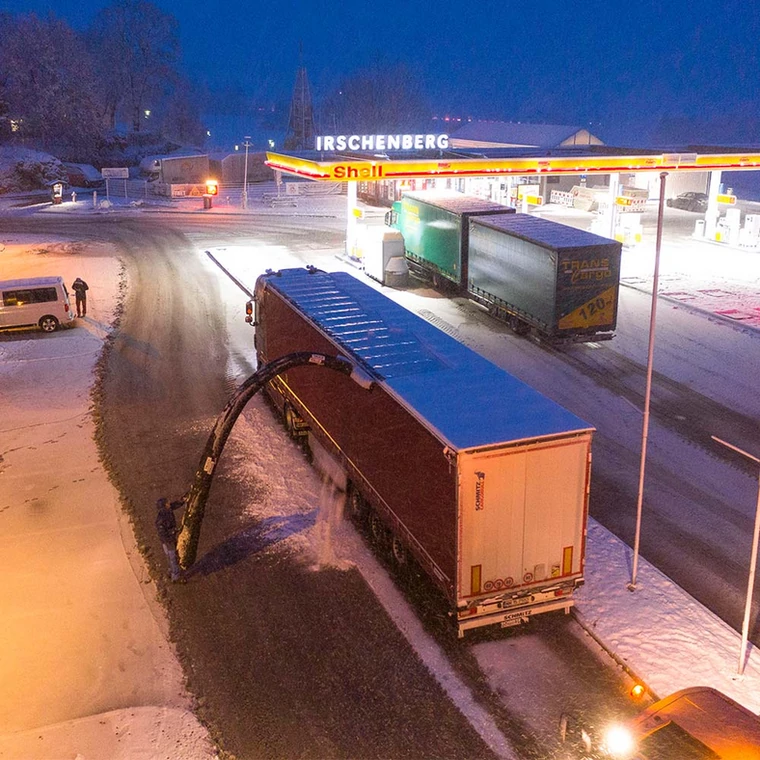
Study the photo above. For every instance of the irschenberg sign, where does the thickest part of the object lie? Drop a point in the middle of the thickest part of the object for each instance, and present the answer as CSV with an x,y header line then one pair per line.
x,y
382,142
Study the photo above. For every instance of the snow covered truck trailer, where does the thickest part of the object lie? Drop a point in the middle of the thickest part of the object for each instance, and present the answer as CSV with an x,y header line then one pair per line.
x,y
537,275
449,459
560,281
434,226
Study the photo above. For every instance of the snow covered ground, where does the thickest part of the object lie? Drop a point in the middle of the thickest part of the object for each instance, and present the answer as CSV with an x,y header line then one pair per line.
x,y
87,670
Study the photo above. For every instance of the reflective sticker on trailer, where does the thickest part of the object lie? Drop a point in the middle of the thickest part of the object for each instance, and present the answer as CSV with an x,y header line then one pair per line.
x,y
596,312
480,491
567,560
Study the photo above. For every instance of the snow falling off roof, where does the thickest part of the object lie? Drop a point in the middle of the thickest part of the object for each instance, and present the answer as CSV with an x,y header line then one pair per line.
x,y
467,399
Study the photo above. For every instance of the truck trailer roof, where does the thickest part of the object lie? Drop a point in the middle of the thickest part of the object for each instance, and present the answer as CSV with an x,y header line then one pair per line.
x,y
421,364
549,234
457,203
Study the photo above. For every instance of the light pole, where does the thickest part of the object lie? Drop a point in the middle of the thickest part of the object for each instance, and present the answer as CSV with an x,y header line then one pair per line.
x,y
753,558
648,392
247,144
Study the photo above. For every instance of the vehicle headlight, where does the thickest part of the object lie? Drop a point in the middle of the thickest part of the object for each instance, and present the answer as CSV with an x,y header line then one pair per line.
x,y
618,742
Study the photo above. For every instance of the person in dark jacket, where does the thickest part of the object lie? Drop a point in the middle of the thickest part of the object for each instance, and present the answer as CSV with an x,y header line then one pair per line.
x,y
166,526
80,288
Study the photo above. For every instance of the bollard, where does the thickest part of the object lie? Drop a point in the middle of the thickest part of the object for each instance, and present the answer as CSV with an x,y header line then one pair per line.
x,y
73,196
94,198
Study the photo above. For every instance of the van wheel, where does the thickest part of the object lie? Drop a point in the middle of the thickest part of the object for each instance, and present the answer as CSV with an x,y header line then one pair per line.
x,y
49,323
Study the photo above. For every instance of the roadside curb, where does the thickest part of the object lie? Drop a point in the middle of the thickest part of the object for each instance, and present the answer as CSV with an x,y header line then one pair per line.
x,y
583,623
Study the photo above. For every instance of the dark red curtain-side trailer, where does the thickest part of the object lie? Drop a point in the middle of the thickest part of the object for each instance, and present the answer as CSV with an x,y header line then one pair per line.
x,y
371,433
483,479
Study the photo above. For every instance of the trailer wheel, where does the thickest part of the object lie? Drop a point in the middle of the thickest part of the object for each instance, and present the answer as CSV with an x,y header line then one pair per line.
x,y
356,506
400,553
378,531
518,326
291,421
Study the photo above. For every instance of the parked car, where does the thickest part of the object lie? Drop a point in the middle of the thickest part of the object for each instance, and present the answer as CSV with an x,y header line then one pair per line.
x,y
689,201
699,723
42,301
84,175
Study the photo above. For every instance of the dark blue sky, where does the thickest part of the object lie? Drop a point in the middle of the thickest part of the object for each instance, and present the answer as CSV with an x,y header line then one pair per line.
x,y
616,65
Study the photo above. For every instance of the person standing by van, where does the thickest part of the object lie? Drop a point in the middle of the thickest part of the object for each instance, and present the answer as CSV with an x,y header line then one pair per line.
x,y
80,287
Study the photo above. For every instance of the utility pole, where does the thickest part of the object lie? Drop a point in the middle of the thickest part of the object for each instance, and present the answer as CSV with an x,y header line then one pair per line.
x,y
648,391
247,144
752,559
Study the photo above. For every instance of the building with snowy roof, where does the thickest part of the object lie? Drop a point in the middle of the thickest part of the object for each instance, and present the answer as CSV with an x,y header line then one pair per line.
x,y
505,134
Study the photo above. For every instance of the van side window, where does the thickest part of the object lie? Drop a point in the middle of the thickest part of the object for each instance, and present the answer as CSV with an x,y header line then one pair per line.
x,y
44,295
21,297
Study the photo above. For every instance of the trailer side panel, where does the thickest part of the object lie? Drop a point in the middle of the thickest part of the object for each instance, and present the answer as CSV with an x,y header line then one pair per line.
x,y
372,435
561,280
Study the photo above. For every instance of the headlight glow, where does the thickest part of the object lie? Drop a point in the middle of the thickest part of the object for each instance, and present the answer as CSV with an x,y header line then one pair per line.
x,y
618,742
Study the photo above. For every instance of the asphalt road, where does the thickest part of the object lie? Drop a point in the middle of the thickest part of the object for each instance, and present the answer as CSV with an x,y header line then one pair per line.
x,y
336,679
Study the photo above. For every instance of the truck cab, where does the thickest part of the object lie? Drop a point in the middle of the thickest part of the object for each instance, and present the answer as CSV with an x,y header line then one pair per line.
x,y
699,723
391,216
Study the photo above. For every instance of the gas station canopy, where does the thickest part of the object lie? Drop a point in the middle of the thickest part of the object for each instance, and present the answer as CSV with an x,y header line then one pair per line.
x,y
587,159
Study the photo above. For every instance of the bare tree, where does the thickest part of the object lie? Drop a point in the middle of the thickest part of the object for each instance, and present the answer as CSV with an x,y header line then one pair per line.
x,y
47,82
381,97
137,50
181,120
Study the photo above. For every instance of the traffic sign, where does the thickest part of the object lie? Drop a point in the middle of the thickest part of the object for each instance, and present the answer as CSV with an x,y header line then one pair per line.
x,y
115,173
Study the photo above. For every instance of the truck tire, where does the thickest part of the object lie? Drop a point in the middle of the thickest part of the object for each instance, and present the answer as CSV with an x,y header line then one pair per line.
x,y
291,421
518,327
378,532
357,508
400,553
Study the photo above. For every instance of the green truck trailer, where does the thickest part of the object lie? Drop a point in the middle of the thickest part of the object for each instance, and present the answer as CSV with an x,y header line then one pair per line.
x,y
435,228
558,282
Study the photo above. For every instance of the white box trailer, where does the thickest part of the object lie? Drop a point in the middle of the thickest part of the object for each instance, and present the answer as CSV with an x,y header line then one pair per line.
x,y
450,459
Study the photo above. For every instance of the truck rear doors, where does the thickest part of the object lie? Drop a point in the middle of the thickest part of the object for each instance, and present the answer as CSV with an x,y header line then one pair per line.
x,y
522,516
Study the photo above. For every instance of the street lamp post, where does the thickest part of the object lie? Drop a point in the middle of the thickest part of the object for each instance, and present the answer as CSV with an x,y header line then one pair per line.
x,y
247,144
648,392
752,561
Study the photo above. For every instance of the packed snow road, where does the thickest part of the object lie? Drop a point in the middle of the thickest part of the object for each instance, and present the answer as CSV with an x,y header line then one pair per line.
x,y
289,662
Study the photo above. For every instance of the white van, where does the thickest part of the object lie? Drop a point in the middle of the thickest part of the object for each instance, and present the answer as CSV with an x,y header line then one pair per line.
x,y
42,301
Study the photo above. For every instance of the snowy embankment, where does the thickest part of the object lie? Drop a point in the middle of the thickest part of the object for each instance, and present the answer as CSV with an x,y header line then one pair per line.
x,y
88,670
22,169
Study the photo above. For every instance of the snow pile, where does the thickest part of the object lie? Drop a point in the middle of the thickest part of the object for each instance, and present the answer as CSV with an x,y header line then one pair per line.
x,y
659,631
24,169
